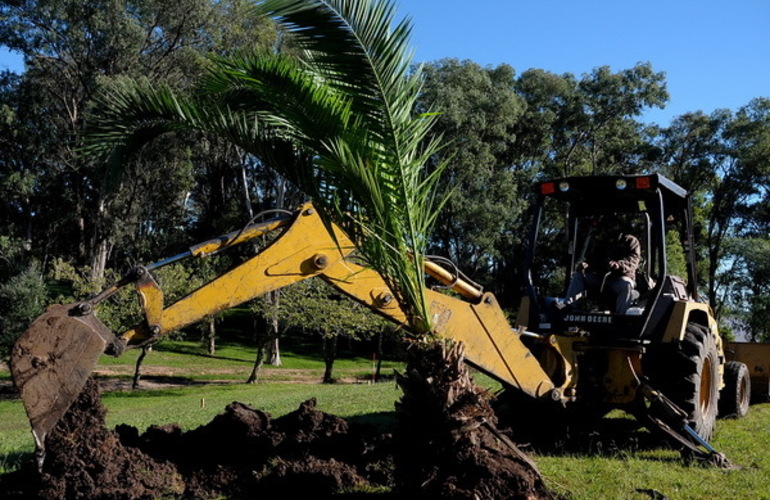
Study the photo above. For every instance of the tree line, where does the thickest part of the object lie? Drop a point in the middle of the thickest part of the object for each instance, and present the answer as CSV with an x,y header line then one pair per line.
x,y
68,225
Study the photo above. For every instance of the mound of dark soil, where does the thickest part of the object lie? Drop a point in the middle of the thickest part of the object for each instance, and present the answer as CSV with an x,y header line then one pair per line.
x,y
85,460
241,453
446,446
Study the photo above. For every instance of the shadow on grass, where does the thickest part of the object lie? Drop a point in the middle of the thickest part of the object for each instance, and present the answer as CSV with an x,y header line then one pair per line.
x,y
151,386
290,348
610,438
554,431
14,460
383,420
8,390
194,350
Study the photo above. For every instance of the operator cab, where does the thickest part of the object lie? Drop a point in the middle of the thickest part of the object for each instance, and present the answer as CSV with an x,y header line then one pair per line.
x,y
572,216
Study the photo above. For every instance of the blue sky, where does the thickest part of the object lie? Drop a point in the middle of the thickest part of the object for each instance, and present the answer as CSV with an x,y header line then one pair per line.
x,y
716,54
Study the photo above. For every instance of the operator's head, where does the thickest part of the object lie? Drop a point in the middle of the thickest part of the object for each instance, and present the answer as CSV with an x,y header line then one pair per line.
x,y
613,223
608,224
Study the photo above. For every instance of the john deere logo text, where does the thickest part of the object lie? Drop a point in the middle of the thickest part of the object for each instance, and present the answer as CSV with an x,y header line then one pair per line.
x,y
585,318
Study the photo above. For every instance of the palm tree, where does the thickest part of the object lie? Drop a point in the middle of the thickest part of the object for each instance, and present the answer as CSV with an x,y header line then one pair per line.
x,y
336,118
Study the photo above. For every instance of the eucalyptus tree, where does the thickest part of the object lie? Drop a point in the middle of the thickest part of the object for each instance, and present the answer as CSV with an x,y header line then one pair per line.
x,y
72,49
750,285
739,208
724,159
588,125
481,224
336,118
22,290
17,180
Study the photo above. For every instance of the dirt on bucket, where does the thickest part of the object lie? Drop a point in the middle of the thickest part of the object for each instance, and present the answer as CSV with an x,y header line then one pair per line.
x,y
445,445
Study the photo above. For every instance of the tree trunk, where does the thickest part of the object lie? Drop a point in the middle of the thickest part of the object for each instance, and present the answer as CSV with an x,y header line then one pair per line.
x,y
330,353
138,367
267,345
211,337
274,351
100,246
99,256
274,329
380,335
270,348
246,191
258,362
274,297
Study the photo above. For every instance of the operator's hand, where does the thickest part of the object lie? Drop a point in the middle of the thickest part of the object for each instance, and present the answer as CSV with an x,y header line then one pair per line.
x,y
614,265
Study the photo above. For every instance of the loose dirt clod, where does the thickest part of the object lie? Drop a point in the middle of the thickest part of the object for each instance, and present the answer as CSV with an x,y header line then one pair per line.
x,y
446,445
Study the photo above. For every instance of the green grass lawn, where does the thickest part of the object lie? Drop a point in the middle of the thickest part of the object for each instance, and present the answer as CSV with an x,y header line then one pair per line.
x,y
628,474
623,473
188,361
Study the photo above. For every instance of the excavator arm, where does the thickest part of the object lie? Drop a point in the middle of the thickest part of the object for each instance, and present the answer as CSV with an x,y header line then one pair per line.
x,y
53,359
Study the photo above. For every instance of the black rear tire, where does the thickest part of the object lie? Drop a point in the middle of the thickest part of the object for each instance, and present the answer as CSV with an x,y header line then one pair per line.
x,y
736,394
694,381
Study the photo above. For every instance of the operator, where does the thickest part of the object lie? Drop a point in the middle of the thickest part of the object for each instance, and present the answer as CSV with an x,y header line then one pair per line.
x,y
611,265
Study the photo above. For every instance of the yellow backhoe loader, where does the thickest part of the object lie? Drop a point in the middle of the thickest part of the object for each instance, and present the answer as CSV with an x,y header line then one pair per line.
x,y
663,360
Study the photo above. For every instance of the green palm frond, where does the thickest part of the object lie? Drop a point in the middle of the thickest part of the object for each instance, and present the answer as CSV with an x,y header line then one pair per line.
x,y
337,120
246,101
354,49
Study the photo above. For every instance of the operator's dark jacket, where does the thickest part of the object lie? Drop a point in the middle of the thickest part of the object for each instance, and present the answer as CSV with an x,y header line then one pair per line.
x,y
623,249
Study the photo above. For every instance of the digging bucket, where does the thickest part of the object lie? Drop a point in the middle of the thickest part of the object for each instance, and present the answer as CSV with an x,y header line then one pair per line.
x,y
52,360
